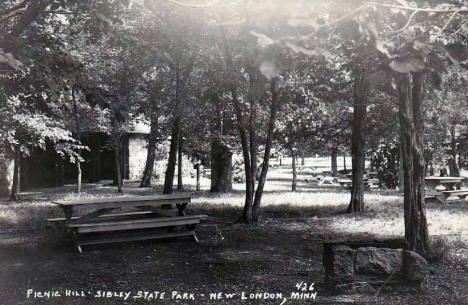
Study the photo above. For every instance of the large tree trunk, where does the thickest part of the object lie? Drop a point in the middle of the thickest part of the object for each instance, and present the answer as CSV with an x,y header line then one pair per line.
x,y
266,156
151,153
361,90
401,170
171,163
221,167
249,180
452,160
344,162
334,162
294,171
412,143
180,183
16,170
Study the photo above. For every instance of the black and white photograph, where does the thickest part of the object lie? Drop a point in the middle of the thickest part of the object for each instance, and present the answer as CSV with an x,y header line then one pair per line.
x,y
233,152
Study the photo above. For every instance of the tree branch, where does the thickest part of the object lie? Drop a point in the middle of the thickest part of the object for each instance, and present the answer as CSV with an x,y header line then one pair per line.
x,y
33,10
15,8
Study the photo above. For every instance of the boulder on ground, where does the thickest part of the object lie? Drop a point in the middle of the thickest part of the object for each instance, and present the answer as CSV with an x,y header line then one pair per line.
x,y
378,261
348,263
343,263
415,266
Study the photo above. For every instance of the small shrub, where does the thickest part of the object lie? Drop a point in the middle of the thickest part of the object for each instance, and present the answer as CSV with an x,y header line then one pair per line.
x,y
438,248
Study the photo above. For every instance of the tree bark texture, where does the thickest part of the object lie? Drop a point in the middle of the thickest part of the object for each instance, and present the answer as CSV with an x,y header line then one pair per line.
x,y
151,153
16,171
180,183
197,167
411,117
249,180
266,156
334,162
171,163
294,171
221,167
344,162
361,91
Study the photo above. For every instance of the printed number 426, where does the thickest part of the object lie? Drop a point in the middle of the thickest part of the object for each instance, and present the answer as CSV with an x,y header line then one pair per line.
x,y
304,286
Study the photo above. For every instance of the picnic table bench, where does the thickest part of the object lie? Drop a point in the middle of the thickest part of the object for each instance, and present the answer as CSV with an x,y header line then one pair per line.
x,y
91,221
449,185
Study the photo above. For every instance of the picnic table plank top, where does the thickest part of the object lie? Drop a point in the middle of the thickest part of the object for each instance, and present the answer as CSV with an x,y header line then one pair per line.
x,y
444,178
123,199
345,180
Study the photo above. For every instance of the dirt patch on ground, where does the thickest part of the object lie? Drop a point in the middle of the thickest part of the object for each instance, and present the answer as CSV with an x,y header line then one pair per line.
x,y
230,258
284,250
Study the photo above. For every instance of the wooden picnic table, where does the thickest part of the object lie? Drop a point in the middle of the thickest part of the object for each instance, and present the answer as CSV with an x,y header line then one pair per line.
x,y
449,184
140,214
348,183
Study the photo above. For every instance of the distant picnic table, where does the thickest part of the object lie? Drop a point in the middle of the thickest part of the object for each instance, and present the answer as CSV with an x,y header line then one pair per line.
x,y
155,217
448,184
370,180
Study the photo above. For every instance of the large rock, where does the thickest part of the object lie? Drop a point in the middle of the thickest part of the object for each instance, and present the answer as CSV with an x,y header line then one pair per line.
x,y
378,261
415,266
351,263
343,263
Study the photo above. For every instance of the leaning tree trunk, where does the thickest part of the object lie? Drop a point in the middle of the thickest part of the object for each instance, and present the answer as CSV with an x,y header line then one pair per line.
x,y
249,180
266,156
151,153
253,141
334,162
294,171
221,167
180,183
16,169
412,143
361,88
171,163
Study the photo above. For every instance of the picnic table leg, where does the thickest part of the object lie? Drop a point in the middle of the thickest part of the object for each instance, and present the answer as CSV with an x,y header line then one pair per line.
x,y
431,189
68,211
441,198
77,243
181,208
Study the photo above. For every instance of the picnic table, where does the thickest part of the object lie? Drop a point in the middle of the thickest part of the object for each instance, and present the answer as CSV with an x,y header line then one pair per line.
x,y
368,182
143,217
447,188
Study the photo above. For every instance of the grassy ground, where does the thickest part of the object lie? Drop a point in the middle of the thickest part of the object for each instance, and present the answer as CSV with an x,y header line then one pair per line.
x,y
284,249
